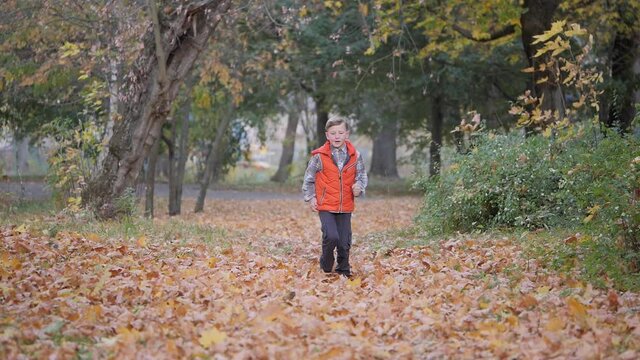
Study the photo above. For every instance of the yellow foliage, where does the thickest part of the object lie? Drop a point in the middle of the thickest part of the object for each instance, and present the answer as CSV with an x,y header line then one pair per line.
x,y
556,28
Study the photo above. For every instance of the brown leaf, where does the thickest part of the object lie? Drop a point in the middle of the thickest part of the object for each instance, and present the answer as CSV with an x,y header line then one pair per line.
x,y
527,302
613,300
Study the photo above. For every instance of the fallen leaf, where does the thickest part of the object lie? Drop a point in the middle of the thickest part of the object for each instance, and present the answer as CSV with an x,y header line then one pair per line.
x,y
142,241
555,324
213,336
354,283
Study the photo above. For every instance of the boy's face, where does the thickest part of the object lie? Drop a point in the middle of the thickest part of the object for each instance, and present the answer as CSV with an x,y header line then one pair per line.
x,y
337,134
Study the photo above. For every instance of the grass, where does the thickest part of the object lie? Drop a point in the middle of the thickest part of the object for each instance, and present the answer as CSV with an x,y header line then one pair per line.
x,y
41,217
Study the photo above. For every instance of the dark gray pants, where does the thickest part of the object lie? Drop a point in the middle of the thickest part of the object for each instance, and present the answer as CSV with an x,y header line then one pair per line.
x,y
336,233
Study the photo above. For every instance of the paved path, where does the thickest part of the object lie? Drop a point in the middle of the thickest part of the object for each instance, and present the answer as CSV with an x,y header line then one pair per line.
x,y
34,190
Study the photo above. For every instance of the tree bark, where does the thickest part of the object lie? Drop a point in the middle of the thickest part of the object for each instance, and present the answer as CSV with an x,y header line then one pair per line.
x,y
288,146
383,157
22,155
147,103
151,180
322,118
178,157
213,158
183,150
534,21
436,135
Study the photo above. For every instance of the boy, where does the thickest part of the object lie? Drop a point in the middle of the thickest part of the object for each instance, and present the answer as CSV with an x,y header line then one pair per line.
x,y
334,176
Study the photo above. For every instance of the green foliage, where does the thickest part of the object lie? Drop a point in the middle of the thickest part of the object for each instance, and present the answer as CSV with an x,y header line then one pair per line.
x,y
512,181
73,160
503,182
589,182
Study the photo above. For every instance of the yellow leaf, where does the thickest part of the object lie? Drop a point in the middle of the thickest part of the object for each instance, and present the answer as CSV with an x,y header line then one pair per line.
x,y
21,229
142,241
530,69
212,262
576,30
354,283
593,211
337,326
128,334
556,28
212,336
542,80
7,261
512,320
370,51
92,237
543,290
555,324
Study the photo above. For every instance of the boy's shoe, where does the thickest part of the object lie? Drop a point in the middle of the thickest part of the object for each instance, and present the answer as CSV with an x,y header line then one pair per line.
x,y
321,267
348,275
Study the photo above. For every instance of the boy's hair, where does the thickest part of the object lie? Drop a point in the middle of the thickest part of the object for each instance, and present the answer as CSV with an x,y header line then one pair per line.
x,y
337,120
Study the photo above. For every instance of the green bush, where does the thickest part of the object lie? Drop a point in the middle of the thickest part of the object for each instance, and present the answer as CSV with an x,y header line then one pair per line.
x,y
505,181
588,180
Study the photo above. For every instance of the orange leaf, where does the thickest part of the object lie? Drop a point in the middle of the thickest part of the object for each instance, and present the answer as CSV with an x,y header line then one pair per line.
x,y
555,324
528,301
576,308
142,241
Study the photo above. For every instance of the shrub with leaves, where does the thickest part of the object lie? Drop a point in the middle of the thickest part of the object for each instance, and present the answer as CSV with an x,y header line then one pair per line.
x,y
505,181
72,161
589,182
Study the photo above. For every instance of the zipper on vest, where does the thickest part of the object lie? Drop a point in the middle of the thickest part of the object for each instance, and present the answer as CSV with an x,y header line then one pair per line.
x,y
340,178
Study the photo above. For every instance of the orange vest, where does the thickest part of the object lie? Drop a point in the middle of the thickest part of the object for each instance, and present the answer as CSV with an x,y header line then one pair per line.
x,y
333,187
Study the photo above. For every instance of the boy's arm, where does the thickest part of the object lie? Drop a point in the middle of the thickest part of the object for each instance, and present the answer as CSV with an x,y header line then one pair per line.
x,y
309,182
361,175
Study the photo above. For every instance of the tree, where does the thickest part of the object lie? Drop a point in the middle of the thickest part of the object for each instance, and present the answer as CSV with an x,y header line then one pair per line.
x,y
147,100
294,109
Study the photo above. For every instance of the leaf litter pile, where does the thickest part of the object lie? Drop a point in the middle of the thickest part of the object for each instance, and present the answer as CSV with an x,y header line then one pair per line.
x,y
263,295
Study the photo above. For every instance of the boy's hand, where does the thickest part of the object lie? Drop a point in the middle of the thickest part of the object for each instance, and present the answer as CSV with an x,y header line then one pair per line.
x,y
357,190
313,203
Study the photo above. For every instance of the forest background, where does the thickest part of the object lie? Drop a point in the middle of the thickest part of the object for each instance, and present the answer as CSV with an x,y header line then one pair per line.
x,y
497,123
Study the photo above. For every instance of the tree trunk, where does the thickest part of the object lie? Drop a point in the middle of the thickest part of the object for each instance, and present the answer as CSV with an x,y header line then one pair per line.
x,y
288,146
146,103
183,151
151,180
436,136
177,157
213,157
383,158
22,155
114,110
621,100
322,118
535,20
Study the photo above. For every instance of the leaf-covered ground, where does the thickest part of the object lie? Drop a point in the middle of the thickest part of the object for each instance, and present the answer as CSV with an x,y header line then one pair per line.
x,y
256,291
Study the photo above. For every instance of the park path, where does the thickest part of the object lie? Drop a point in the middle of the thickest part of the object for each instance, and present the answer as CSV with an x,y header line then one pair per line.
x,y
255,290
39,190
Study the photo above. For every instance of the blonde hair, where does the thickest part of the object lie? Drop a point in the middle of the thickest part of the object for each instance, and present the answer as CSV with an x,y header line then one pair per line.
x,y
337,120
